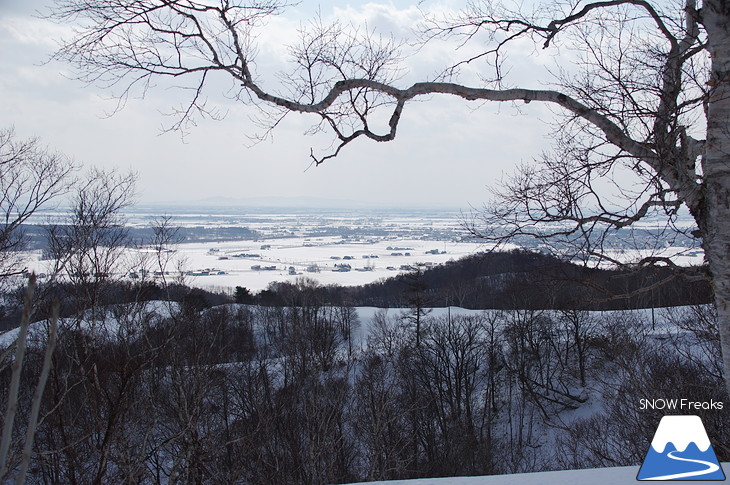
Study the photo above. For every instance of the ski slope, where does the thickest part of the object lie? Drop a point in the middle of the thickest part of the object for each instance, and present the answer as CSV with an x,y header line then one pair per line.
x,y
600,476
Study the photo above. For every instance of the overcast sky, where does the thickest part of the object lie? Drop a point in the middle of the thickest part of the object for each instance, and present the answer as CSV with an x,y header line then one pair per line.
x,y
446,154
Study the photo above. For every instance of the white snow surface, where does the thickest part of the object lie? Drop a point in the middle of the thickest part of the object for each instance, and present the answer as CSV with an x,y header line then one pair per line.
x,y
298,242
597,476
213,265
681,431
292,257
109,324
216,265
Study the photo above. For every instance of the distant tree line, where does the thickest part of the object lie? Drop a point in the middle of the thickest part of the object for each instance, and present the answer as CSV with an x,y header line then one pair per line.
x,y
517,279
36,234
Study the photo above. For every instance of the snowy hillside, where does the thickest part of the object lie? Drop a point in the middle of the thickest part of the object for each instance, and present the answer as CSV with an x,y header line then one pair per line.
x,y
600,476
275,386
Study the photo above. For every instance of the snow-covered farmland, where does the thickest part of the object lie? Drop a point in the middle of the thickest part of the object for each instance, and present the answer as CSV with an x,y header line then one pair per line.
x,y
328,260
255,264
332,246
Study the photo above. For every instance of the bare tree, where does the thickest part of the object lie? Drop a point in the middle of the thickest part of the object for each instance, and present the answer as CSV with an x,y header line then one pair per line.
x,y
31,177
643,93
417,300
449,365
13,391
88,247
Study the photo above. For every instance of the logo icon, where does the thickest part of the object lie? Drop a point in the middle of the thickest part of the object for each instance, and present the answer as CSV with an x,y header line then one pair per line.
x,y
681,450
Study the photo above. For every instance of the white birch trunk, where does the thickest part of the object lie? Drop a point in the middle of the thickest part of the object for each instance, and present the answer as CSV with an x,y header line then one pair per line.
x,y
716,170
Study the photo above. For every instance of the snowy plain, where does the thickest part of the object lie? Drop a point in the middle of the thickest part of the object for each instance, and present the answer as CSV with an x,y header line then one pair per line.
x,y
290,243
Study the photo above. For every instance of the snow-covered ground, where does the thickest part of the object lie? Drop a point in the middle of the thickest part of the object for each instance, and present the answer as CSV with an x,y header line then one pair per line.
x,y
254,265
600,476
319,243
110,324
322,259
218,265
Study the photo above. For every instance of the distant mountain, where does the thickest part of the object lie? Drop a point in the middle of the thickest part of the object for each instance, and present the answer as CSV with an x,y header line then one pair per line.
x,y
293,202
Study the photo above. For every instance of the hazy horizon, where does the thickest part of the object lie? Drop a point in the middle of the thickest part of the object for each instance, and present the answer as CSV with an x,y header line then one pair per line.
x,y
447,151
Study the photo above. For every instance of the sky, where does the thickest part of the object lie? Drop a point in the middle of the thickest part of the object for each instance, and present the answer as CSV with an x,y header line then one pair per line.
x,y
447,153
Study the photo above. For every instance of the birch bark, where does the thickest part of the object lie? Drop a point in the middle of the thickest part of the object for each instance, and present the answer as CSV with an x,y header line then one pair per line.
x,y
715,223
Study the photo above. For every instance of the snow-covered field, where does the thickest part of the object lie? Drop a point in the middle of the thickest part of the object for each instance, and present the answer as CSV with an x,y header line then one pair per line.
x,y
253,265
329,260
333,247
346,247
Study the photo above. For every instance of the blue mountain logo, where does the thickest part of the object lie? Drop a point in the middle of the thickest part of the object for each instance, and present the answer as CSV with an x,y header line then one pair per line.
x,y
681,450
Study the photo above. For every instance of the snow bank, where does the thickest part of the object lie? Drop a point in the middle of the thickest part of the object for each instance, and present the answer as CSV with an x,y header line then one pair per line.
x,y
599,476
